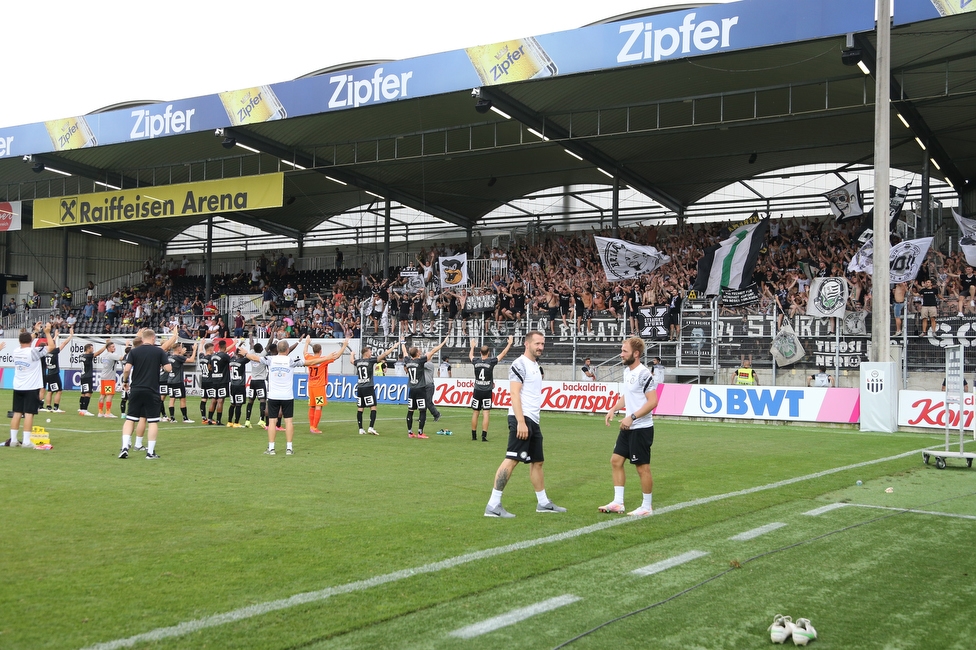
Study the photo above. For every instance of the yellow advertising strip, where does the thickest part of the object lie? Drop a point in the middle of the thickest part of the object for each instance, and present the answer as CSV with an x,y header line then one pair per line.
x,y
161,202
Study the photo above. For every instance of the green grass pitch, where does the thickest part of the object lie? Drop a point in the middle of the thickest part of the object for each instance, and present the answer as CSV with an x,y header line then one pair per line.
x,y
387,534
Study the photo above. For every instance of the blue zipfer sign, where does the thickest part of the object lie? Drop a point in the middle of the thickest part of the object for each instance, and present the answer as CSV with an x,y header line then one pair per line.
x,y
662,37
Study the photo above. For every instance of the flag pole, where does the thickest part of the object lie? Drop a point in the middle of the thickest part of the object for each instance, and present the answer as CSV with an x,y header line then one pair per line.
x,y
882,134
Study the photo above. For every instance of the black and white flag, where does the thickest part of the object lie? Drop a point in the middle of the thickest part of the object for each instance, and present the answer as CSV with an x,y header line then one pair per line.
x,y
905,259
828,298
454,271
731,263
967,237
623,260
845,201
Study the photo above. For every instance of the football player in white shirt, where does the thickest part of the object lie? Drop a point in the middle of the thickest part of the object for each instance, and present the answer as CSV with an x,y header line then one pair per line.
x,y
524,435
638,397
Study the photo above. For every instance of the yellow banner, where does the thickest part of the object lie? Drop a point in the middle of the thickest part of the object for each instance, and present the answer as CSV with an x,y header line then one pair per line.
x,y
161,202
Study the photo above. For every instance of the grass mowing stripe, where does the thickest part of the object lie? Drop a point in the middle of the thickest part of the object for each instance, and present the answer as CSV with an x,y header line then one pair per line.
x,y
313,596
514,616
669,563
822,509
918,512
756,532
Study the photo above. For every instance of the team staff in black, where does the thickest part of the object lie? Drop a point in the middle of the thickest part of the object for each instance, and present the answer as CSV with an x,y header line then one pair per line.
x,y
140,379
484,385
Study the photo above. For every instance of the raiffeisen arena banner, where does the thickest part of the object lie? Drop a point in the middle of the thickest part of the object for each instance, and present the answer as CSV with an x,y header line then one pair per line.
x,y
662,37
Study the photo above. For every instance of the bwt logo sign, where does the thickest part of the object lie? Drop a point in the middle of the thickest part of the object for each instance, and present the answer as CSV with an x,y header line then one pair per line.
x,y
750,401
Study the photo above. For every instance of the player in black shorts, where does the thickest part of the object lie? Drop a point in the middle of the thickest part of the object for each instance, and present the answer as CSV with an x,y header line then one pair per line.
x,y
142,366
238,386
365,395
86,382
207,392
219,380
175,384
484,384
417,385
52,373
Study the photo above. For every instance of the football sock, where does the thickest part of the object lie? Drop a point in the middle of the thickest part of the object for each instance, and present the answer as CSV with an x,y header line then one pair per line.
x,y
496,498
271,446
474,434
183,411
372,417
26,440
220,414
423,419
288,446
359,418
647,501
152,446
138,441
484,435
211,416
311,417
618,494
126,441
172,413
541,497
409,420
203,409
13,434
250,407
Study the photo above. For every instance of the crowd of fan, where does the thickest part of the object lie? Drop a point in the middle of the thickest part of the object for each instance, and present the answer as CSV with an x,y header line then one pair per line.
x,y
559,276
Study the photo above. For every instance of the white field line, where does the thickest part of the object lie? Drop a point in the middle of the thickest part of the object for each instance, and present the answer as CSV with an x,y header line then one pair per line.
x,y
822,509
918,512
259,609
514,616
669,563
756,532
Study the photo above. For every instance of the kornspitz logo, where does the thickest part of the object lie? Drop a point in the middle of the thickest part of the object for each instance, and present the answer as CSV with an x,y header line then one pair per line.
x,y
709,402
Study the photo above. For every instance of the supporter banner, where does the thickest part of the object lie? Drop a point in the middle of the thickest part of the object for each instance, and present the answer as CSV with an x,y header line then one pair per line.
x,y
10,212
828,297
740,297
758,403
655,322
910,11
484,302
161,202
919,408
786,347
666,36
696,341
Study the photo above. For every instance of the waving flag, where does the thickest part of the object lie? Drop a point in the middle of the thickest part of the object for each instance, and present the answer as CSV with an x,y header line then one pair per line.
x,y
905,260
845,201
731,263
624,260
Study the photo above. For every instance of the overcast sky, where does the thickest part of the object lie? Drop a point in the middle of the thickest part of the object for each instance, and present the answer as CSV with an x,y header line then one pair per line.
x,y
71,58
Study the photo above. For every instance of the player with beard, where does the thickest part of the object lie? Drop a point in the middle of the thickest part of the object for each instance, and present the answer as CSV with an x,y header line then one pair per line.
x,y
638,397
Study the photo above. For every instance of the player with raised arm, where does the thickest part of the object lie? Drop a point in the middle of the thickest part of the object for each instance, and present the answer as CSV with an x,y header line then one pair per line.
x,y
52,372
638,397
365,390
417,385
236,369
175,385
484,385
318,377
108,378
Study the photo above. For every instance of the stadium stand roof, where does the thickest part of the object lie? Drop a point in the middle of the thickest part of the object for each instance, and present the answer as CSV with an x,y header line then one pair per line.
x,y
675,129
